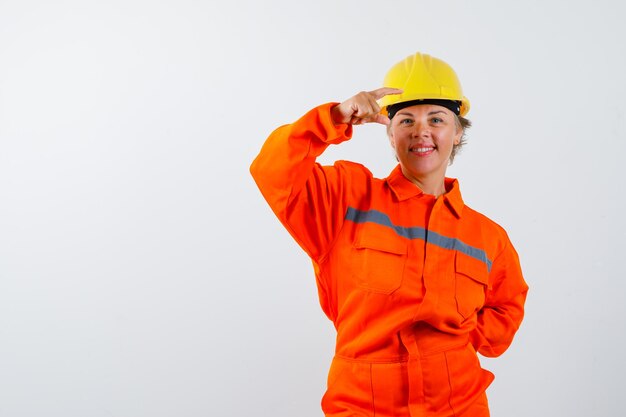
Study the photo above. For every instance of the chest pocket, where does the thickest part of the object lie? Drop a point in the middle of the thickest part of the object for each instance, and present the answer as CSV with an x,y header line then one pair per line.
x,y
378,261
471,283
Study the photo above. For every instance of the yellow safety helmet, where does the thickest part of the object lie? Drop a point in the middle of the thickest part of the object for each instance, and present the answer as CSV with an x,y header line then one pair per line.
x,y
423,77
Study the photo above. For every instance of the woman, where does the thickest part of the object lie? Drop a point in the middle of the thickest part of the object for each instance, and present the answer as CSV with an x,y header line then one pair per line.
x,y
415,282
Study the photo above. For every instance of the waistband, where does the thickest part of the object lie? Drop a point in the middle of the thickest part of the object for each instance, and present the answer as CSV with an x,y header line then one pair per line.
x,y
420,340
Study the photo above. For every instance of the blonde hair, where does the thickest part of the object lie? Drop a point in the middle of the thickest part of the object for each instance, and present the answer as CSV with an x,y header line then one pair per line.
x,y
463,124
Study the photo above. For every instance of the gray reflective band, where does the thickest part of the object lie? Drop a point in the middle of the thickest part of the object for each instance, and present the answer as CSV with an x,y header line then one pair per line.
x,y
434,238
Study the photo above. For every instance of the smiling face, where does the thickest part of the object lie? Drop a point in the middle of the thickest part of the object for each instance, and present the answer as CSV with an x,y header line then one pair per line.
x,y
422,137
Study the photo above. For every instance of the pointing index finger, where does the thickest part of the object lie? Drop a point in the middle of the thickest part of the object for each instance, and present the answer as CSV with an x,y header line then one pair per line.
x,y
385,91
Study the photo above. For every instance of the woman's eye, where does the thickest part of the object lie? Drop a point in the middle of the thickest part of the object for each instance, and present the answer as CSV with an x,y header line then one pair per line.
x,y
436,120
405,121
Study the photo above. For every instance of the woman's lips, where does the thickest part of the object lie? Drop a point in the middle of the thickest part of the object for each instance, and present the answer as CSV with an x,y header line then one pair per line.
x,y
422,150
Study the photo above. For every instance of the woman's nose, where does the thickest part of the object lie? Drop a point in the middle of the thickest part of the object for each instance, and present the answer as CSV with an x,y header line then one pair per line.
x,y
421,130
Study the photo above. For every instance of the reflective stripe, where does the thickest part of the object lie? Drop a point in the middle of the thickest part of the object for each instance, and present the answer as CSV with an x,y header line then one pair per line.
x,y
415,232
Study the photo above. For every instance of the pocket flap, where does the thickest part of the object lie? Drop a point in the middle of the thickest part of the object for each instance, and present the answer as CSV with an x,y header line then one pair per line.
x,y
472,268
372,239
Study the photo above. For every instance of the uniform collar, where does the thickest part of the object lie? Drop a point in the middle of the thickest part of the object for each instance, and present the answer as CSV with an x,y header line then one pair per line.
x,y
453,196
405,189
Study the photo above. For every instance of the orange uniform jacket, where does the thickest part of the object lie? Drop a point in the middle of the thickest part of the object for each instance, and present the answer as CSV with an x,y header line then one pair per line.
x,y
414,285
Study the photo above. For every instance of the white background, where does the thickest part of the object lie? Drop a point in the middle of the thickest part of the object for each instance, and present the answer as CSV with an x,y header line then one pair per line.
x,y
142,274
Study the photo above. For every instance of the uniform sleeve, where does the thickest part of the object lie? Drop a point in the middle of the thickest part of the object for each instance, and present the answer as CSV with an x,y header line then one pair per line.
x,y
308,199
502,314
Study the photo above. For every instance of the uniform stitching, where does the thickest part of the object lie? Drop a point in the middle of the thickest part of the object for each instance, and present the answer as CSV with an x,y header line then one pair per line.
x,y
445,355
372,389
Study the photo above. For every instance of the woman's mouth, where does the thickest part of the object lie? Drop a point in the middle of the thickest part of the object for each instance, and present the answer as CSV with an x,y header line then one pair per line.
x,y
422,150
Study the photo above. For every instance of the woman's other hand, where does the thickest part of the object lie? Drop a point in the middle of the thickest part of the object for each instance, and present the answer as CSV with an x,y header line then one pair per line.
x,y
363,108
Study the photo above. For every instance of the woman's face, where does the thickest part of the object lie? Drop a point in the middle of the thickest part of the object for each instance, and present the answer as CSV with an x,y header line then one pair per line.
x,y
423,137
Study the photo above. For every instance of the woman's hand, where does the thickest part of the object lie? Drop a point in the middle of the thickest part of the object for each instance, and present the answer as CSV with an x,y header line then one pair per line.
x,y
363,108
